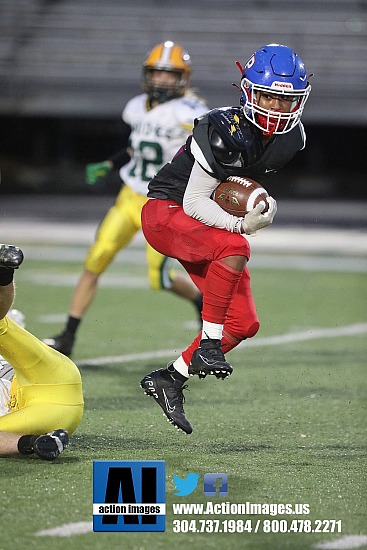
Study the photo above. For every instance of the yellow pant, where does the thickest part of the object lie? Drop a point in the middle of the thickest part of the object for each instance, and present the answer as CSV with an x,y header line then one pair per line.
x,y
46,392
121,223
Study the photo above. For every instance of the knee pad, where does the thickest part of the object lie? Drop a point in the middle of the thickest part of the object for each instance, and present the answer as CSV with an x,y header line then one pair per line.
x,y
230,340
252,329
234,334
99,256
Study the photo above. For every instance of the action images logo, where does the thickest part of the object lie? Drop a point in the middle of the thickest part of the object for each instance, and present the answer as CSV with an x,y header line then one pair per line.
x,y
129,495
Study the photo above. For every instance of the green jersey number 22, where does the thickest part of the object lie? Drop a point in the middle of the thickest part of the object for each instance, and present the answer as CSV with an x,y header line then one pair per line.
x,y
148,158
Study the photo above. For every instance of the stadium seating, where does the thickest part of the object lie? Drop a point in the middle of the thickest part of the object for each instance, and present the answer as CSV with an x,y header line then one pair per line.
x,y
83,58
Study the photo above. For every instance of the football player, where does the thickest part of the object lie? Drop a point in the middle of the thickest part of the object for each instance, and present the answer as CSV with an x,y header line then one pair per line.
x,y
252,140
160,119
40,389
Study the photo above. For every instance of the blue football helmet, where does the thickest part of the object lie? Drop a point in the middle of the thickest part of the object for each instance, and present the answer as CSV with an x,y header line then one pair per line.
x,y
278,71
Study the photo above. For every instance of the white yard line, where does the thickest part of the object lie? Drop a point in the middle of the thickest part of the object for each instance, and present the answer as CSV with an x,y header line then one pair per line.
x,y
70,280
346,543
289,338
131,257
67,530
290,239
82,527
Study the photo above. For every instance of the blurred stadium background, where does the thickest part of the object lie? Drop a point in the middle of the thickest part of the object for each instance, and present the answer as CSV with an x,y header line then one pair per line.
x,y
69,66
297,423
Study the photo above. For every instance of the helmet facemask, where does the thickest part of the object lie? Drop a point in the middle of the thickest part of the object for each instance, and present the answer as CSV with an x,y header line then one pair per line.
x,y
275,71
160,93
273,122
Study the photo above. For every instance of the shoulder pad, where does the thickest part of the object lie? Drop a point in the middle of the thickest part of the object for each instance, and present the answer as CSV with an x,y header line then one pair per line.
x,y
201,119
232,126
222,153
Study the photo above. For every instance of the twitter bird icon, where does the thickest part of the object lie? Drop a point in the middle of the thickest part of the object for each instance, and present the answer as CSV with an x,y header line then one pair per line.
x,y
186,486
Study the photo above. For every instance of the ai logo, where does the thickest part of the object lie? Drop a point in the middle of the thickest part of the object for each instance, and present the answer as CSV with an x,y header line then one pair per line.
x,y
215,485
129,495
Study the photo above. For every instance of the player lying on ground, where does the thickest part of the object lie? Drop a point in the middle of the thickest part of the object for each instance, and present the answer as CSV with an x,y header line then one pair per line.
x,y
40,389
253,140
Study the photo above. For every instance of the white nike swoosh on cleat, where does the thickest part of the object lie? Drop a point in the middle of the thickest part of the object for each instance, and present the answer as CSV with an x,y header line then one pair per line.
x,y
168,406
173,206
204,360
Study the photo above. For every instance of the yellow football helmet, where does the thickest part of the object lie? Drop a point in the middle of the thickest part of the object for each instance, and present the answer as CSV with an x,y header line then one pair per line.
x,y
172,58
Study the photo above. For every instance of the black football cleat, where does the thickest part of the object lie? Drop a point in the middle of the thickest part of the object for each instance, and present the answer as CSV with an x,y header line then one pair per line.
x,y
63,343
50,445
10,256
209,359
167,391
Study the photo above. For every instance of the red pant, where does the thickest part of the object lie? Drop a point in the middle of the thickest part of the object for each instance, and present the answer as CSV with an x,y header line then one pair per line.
x,y
199,248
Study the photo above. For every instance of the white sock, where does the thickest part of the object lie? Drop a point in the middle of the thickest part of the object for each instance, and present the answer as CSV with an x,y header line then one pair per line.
x,y
181,367
211,330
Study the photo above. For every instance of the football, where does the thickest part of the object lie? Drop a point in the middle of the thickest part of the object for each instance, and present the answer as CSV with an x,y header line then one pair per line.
x,y
238,195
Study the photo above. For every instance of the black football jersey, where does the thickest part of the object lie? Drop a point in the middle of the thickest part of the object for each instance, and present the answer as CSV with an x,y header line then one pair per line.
x,y
231,146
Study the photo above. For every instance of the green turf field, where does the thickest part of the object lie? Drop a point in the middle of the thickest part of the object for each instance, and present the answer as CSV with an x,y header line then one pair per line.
x,y
289,426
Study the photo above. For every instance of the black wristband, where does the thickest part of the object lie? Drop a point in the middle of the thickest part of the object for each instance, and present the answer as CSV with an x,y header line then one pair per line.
x,y
6,276
120,159
25,444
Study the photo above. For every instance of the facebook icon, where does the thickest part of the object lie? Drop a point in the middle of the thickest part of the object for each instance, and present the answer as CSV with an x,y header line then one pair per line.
x,y
215,485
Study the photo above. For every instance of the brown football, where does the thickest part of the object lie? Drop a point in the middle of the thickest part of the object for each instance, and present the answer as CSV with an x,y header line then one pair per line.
x,y
238,195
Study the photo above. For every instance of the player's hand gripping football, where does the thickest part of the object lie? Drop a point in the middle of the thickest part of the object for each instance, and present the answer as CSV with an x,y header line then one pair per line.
x,y
255,220
96,171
